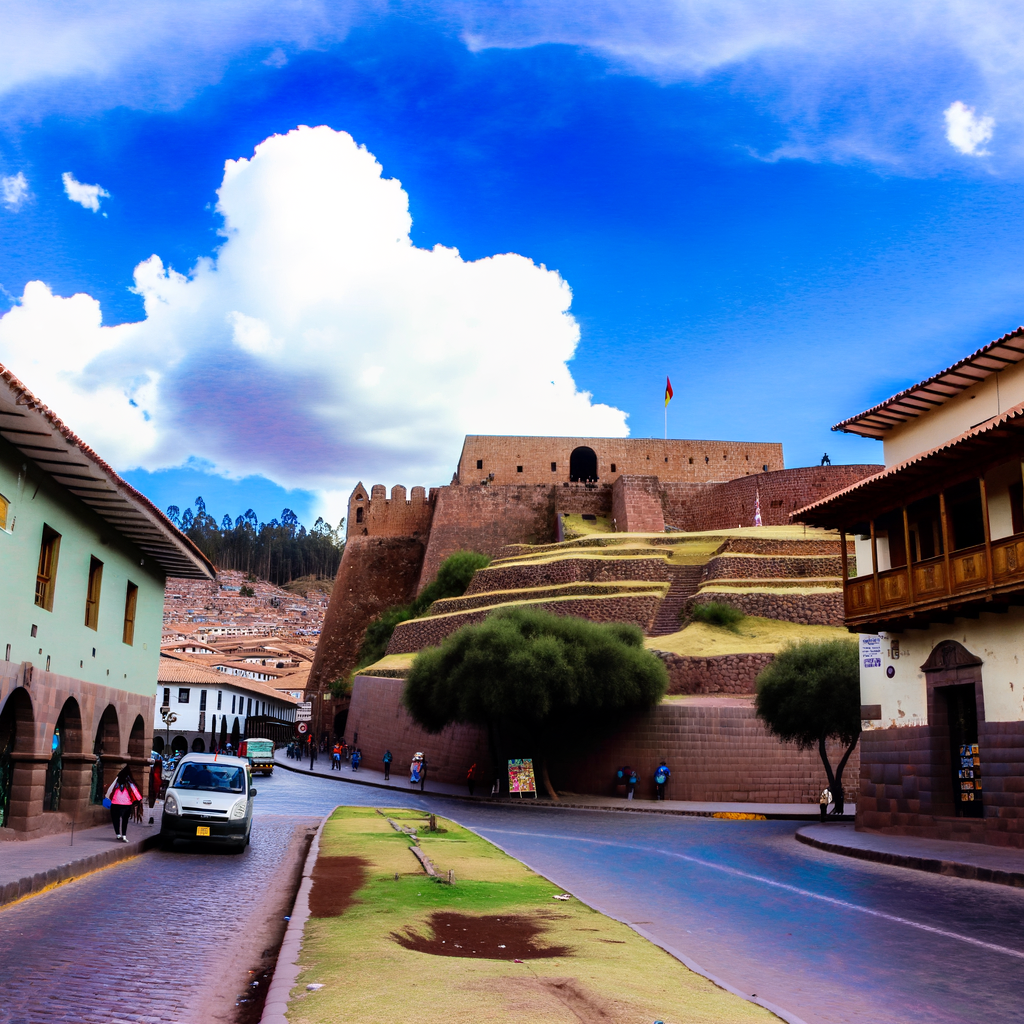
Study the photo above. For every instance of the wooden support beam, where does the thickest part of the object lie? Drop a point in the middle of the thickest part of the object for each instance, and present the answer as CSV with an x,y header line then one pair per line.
x,y
945,540
988,529
910,557
874,567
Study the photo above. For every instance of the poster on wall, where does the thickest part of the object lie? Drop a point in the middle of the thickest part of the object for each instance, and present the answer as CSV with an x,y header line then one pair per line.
x,y
520,776
871,651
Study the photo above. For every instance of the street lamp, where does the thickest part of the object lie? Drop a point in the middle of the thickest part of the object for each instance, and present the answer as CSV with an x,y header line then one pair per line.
x,y
169,718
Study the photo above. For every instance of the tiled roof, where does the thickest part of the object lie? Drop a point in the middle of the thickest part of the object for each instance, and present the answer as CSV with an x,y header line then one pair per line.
x,y
968,453
174,671
937,390
41,436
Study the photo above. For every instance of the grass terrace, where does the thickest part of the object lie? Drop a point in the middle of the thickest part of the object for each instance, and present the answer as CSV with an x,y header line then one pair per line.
x,y
752,635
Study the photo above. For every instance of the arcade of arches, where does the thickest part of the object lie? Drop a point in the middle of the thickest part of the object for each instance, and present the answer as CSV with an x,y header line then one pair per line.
x,y
62,742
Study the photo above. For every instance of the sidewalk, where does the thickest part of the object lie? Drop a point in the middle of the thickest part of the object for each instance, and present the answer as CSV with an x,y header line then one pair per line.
x,y
940,856
32,865
575,801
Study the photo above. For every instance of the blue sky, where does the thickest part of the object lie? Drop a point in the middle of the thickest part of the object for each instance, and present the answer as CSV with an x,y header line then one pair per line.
x,y
792,217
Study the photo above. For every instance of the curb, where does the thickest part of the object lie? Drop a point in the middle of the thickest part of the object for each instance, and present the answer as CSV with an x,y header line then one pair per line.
x,y
935,865
286,970
32,885
561,805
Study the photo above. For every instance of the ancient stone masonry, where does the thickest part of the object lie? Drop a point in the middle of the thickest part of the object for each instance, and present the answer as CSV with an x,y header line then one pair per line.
x,y
725,673
493,504
824,609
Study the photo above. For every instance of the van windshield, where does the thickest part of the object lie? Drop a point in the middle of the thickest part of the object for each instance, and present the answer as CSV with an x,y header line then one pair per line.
x,y
213,778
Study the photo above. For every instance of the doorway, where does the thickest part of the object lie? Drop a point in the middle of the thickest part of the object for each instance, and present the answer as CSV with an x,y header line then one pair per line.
x,y
583,465
964,755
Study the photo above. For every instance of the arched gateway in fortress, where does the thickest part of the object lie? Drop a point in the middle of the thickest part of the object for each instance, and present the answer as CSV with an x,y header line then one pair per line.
x,y
515,491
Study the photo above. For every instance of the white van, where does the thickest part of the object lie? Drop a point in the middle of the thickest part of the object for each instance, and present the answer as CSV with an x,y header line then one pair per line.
x,y
209,800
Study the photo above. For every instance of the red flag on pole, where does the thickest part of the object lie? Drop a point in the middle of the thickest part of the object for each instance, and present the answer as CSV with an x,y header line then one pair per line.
x,y
668,391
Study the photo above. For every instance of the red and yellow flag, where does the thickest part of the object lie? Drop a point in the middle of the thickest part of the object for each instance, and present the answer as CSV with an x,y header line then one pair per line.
x,y
668,391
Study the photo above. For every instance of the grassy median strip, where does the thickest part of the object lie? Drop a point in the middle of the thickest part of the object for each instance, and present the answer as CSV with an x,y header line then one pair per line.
x,y
387,943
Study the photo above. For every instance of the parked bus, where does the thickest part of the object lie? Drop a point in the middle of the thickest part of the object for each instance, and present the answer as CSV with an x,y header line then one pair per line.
x,y
260,754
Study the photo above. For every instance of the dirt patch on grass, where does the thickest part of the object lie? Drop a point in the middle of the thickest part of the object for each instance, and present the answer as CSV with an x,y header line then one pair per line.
x,y
511,937
335,882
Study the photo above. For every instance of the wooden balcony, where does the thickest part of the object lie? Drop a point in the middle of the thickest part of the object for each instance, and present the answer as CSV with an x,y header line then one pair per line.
x,y
964,582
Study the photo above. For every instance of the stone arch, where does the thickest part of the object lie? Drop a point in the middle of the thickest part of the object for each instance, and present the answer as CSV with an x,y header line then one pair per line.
x,y
179,745
62,783
17,734
137,738
158,743
340,721
107,748
198,746
583,465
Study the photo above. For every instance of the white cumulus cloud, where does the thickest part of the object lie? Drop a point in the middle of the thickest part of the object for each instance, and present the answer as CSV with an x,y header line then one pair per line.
x,y
14,190
966,131
319,345
85,195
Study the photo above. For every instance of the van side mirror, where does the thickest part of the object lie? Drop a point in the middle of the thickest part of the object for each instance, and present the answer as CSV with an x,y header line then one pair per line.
x,y
252,791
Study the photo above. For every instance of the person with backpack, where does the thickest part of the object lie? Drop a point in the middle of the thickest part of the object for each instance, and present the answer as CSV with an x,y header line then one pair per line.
x,y
121,796
387,765
357,756
661,776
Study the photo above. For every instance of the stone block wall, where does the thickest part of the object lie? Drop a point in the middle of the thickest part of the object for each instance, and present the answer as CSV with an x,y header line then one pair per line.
x,y
579,499
636,505
906,784
485,519
569,570
484,600
724,673
721,506
638,610
734,567
821,609
375,573
378,722
716,753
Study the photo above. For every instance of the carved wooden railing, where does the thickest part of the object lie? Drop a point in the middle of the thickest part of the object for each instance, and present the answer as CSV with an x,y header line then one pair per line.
x,y
937,581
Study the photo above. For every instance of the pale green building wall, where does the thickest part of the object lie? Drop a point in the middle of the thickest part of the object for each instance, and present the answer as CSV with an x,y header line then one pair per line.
x,y
36,499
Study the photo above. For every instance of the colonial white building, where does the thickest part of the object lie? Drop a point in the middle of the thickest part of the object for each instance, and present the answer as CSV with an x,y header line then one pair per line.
x,y
212,708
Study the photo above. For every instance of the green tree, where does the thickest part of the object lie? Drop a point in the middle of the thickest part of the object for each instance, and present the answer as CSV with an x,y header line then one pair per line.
x,y
545,682
810,693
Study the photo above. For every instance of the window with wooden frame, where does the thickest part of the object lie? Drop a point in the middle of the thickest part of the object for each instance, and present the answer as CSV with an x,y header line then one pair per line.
x,y
92,593
46,576
131,599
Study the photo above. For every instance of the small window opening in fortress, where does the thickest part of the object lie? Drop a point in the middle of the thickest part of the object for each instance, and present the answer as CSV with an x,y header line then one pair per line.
x,y
519,469
724,455
613,470
706,460
764,468
666,458
479,463
359,515
747,457
554,467
691,460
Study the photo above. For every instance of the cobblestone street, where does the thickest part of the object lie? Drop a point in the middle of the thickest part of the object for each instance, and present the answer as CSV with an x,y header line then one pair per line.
x,y
156,938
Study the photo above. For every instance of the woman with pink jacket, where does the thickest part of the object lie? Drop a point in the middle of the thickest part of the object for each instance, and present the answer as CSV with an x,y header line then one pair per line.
x,y
121,795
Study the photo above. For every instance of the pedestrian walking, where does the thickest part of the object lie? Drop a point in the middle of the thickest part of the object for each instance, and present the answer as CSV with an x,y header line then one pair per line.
x,y
823,801
471,778
312,755
423,774
156,778
661,777
416,768
631,784
121,795
336,758
387,765
357,756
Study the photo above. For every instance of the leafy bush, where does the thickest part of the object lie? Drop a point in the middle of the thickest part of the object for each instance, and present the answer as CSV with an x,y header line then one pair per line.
x,y
246,591
715,613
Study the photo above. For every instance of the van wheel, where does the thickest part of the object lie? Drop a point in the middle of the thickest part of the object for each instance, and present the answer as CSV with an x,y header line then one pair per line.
x,y
248,837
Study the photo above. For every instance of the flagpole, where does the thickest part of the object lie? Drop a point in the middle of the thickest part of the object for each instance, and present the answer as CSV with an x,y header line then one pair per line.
x,y
666,421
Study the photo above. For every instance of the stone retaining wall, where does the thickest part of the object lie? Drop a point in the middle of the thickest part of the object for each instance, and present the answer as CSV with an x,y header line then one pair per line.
x,y
568,570
725,673
416,634
824,609
773,567
471,601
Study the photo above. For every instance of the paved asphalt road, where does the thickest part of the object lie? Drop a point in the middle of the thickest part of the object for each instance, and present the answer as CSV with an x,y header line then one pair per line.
x,y
826,938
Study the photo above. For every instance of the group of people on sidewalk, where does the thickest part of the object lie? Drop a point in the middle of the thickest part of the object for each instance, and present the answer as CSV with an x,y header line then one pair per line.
x,y
342,752
628,777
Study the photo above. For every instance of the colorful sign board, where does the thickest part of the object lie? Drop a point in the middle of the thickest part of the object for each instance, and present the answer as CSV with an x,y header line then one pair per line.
x,y
304,712
520,776
302,727
871,650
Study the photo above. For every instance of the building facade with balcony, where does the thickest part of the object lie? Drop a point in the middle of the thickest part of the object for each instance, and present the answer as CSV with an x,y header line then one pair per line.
x,y
939,602
83,562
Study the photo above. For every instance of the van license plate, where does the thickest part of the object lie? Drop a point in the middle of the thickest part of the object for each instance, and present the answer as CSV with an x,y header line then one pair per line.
x,y
202,830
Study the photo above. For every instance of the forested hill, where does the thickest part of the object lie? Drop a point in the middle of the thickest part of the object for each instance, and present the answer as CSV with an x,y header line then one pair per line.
x,y
279,551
